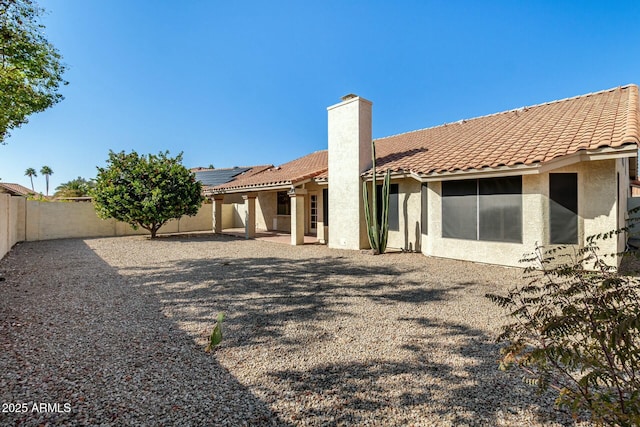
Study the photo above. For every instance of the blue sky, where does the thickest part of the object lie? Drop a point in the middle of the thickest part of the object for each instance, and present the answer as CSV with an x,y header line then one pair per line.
x,y
248,82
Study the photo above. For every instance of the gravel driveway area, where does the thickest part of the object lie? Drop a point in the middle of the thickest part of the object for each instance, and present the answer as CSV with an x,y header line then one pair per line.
x,y
112,331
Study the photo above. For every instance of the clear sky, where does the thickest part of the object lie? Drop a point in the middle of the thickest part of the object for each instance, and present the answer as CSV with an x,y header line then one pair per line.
x,y
237,83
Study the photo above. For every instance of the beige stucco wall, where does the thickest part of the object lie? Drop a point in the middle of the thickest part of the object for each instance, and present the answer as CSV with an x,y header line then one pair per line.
x,y
5,203
349,143
409,207
228,216
267,212
597,212
267,217
12,209
58,220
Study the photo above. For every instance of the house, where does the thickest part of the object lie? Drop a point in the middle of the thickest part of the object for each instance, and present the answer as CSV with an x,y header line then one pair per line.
x,y
486,189
15,189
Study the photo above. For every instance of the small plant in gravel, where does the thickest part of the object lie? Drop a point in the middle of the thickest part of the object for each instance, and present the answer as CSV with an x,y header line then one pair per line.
x,y
577,331
216,335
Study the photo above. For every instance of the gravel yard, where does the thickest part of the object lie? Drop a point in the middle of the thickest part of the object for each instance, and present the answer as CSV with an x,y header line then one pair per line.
x,y
112,332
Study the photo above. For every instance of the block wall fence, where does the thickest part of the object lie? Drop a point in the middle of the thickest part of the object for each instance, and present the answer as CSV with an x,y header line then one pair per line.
x,y
31,220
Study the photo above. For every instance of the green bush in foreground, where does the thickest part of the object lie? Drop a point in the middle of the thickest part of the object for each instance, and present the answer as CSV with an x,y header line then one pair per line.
x,y
577,331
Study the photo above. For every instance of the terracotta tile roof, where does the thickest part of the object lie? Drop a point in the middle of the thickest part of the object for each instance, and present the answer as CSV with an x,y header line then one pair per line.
x,y
287,174
524,136
15,189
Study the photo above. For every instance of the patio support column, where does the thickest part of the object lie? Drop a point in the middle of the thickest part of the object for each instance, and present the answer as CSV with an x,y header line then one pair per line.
x,y
297,215
250,215
217,213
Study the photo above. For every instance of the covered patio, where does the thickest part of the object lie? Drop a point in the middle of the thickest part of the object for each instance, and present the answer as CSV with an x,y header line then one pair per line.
x,y
287,203
269,236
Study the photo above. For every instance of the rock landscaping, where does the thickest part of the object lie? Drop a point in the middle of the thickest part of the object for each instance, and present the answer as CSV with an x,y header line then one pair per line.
x,y
112,331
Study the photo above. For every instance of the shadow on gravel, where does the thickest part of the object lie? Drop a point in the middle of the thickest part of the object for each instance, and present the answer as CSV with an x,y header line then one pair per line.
x,y
72,330
261,295
480,396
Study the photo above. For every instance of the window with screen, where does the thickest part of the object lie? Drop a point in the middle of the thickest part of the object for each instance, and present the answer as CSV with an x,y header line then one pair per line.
x,y
563,208
284,203
460,209
500,209
483,209
394,214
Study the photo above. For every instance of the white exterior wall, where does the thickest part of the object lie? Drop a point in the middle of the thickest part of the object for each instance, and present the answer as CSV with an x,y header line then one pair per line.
x,y
597,213
349,141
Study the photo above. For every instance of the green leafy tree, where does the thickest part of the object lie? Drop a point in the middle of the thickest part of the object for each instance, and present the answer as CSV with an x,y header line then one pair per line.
x,y
78,187
30,67
577,331
47,172
31,172
146,191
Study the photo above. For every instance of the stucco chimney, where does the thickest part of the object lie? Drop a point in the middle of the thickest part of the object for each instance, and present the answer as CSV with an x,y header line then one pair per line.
x,y
349,155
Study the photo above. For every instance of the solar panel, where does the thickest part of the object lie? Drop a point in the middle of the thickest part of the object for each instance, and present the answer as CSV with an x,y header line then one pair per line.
x,y
214,177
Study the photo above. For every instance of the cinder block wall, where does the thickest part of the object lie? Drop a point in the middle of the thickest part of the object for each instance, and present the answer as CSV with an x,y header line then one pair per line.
x,y
53,220
12,215
30,220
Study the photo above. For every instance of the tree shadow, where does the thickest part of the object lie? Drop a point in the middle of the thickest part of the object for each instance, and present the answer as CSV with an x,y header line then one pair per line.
x,y
438,369
459,384
85,335
448,371
260,296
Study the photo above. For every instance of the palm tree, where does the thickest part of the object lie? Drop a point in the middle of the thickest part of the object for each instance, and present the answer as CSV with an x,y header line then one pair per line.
x,y
31,172
46,171
78,187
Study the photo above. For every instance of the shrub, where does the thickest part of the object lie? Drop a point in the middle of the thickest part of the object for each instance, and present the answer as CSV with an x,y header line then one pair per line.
x,y
577,331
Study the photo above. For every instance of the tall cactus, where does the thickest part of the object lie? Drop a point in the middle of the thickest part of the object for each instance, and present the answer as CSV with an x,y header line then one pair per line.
x,y
377,233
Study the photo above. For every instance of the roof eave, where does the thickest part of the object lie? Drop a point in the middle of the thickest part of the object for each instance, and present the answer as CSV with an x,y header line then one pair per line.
x,y
250,188
605,153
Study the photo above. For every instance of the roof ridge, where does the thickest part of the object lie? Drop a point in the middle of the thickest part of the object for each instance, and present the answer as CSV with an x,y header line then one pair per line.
x,y
461,121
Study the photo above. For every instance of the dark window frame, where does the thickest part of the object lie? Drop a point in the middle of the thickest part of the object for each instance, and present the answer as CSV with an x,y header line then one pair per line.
x,y
563,208
424,203
325,206
283,203
394,208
